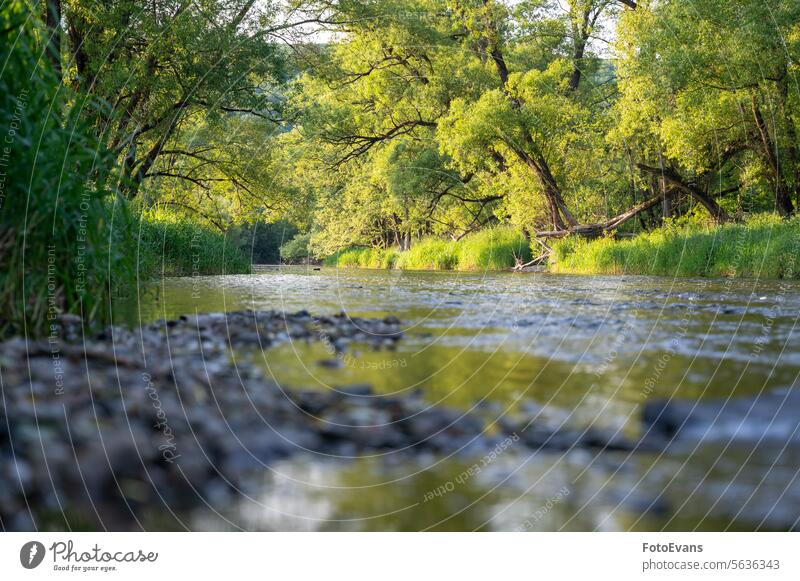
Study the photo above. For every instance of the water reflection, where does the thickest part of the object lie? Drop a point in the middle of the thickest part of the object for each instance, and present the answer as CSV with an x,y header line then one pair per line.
x,y
574,491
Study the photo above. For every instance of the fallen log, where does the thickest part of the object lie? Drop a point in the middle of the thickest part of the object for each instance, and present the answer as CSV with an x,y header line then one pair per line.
x,y
595,230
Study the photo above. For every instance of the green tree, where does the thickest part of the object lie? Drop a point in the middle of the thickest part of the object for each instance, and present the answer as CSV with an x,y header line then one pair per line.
x,y
709,100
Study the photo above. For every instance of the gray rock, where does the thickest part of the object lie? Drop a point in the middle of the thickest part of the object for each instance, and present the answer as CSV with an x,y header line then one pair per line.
x,y
771,416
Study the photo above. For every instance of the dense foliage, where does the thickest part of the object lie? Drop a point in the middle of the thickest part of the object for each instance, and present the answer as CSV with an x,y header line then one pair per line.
x,y
440,117
263,241
379,132
62,233
379,122
297,250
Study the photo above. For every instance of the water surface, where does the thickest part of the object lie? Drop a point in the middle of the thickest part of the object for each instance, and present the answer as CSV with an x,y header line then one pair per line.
x,y
562,351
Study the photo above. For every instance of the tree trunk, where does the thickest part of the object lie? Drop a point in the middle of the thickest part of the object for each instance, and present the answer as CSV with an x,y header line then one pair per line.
x,y
407,233
580,35
53,23
672,178
575,77
552,192
134,176
666,209
560,215
75,31
500,64
783,201
791,137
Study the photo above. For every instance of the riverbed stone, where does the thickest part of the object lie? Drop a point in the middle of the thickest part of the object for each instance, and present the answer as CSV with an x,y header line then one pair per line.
x,y
768,417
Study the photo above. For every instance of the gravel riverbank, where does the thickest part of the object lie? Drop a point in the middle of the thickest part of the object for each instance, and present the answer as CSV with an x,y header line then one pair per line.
x,y
108,430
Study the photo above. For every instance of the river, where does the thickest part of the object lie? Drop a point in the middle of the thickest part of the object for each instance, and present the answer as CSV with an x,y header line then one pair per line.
x,y
563,351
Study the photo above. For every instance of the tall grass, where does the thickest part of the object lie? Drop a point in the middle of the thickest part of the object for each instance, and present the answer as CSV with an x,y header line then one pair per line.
x,y
173,245
491,249
763,247
363,258
63,235
430,254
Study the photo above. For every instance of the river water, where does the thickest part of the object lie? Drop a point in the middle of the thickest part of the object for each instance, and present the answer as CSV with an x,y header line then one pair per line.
x,y
563,351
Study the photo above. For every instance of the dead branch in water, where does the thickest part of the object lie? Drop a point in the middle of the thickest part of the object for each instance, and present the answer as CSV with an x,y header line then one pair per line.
x,y
541,259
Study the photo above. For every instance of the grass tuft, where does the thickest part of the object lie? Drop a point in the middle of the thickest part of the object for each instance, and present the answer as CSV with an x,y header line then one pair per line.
x,y
430,254
363,258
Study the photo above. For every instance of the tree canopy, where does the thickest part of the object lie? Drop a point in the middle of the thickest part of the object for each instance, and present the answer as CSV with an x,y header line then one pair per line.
x,y
375,122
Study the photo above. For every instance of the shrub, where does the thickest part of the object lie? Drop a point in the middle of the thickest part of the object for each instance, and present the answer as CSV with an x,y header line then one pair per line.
x,y
297,250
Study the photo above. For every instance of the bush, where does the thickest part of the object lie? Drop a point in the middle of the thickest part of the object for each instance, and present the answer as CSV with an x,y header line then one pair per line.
x,y
63,235
763,247
297,250
174,245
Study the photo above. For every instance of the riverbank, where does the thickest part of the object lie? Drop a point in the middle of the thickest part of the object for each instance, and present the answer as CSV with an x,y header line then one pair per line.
x,y
495,248
763,247
108,431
